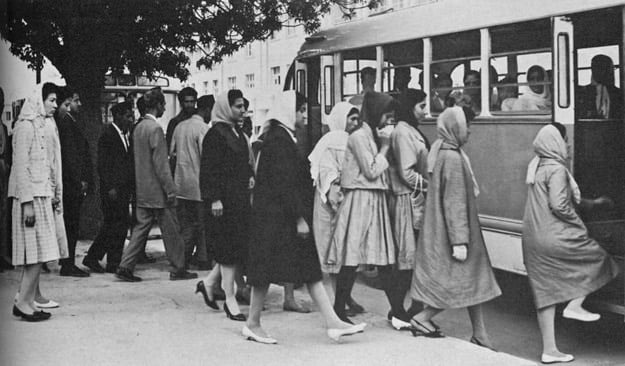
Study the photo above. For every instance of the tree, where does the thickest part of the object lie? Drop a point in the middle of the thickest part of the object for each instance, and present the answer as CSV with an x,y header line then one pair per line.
x,y
85,39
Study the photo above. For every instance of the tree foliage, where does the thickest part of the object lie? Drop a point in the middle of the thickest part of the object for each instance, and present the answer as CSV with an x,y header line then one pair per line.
x,y
84,39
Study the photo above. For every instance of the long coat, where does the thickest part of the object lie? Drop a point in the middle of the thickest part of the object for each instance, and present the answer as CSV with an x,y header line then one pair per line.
x,y
283,193
562,262
450,219
225,172
76,159
115,166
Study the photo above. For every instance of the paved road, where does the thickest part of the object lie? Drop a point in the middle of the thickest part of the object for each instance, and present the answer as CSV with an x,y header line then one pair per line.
x,y
159,322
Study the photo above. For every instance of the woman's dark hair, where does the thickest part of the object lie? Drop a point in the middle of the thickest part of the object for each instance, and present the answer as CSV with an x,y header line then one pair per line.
x,y
233,95
300,100
560,128
353,111
47,89
407,100
468,114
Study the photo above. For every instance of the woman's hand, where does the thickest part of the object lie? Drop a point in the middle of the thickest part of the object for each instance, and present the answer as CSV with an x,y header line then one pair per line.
x,y
28,212
112,194
251,183
604,201
459,252
217,209
335,196
303,231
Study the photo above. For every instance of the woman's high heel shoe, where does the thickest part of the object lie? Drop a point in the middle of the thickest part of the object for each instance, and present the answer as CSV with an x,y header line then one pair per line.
x,y
237,317
478,343
202,289
420,329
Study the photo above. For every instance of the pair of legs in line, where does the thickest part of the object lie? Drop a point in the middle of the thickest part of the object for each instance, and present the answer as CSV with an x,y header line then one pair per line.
x,y
422,322
29,286
318,295
546,319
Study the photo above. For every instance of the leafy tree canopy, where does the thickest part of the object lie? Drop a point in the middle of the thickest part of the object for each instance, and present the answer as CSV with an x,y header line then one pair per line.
x,y
85,39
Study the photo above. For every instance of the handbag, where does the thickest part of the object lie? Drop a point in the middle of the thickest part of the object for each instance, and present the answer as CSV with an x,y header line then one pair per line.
x,y
417,202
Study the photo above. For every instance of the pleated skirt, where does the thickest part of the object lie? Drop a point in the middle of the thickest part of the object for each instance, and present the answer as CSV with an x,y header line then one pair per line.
x,y
37,244
403,232
363,233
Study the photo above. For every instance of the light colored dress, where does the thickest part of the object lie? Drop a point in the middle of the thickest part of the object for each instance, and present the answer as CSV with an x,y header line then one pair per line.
x,y
562,262
363,232
408,162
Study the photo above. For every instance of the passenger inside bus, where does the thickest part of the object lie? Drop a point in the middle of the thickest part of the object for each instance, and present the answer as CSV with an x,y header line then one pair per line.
x,y
508,93
537,95
401,79
601,99
472,82
367,79
442,89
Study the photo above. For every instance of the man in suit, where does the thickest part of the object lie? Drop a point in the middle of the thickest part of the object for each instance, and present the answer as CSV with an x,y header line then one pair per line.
x,y
155,192
116,186
77,179
186,148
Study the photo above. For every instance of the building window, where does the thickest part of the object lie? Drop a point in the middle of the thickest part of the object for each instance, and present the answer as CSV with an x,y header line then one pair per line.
x,y
248,50
249,81
205,87
215,87
275,73
232,82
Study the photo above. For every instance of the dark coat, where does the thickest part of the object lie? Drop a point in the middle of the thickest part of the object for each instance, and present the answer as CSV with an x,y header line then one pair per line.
x,y
115,165
283,193
225,172
586,102
75,157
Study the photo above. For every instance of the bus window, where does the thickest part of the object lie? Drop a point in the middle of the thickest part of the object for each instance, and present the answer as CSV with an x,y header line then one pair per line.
x,y
353,64
403,66
456,57
521,63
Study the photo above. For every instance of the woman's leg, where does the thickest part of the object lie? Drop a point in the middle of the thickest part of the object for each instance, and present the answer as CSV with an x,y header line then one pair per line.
x,y
28,286
290,304
320,297
546,318
344,283
228,274
424,317
479,329
393,289
212,279
256,307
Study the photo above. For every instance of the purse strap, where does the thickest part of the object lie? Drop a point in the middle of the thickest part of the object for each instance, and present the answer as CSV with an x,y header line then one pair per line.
x,y
418,184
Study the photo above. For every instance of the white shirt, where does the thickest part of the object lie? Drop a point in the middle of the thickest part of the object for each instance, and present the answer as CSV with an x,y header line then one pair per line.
x,y
122,136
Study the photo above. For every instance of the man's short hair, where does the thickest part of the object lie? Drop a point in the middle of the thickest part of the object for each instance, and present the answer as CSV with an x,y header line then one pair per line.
x,y
153,98
141,105
205,102
186,92
64,93
367,71
121,108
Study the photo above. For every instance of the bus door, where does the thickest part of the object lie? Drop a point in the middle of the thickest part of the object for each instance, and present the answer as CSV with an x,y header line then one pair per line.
x,y
599,132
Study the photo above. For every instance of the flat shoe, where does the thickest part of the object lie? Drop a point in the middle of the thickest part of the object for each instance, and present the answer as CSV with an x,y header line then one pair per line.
x,y
400,324
251,336
584,317
545,358
48,305
336,334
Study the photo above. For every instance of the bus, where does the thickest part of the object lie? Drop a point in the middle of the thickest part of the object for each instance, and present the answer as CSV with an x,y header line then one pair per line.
x,y
449,39
122,87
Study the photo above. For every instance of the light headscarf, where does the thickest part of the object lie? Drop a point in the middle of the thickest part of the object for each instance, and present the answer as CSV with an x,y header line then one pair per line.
x,y
335,139
222,112
549,144
283,111
451,126
532,101
33,107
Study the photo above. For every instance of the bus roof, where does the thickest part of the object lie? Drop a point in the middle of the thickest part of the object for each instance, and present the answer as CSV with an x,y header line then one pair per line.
x,y
438,18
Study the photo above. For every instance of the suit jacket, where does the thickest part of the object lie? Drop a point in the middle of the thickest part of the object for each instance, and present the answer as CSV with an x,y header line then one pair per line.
x,y
153,179
75,156
114,164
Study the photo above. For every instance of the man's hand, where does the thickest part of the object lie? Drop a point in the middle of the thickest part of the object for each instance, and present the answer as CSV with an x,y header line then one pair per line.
x,y
217,209
460,252
303,231
84,186
112,194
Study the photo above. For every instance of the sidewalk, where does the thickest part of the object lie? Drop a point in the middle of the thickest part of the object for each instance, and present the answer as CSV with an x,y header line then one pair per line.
x,y
103,321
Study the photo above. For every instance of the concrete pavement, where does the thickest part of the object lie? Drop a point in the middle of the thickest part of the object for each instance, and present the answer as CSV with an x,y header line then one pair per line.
x,y
103,321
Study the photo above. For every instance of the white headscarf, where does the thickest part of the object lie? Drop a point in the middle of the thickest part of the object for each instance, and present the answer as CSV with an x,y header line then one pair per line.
x,y
532,101
222,112
335,139
549,144
283,111
451,126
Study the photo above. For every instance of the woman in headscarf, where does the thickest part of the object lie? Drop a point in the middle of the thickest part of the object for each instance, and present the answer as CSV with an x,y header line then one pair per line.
x,y
537,95
32,187
281,249
326,162
408,168
452,268
563,263
226,178
363,232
